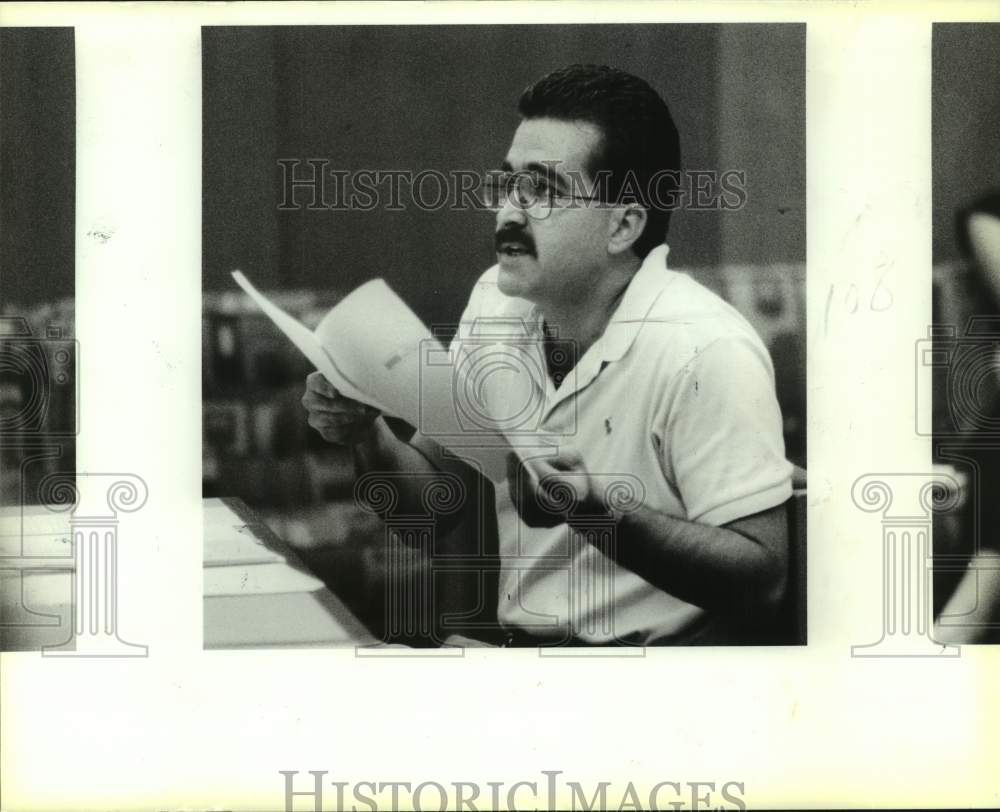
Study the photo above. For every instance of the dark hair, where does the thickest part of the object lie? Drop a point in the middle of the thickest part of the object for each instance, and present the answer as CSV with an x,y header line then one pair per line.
x,y
988,203
639,136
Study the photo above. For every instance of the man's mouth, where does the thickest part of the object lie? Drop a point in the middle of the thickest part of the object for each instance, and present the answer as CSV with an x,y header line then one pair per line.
x,y
510,249
510,245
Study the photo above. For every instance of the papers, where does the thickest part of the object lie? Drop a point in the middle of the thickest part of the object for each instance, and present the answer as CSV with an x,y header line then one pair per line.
x,y
380,342
307,342
290,620
257,596
259,579
237,547
35,607
34,533
229,541
33,520
374,349
237,562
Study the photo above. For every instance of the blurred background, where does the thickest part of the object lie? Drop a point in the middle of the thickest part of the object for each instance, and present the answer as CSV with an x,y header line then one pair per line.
x,y
965,121
966,167
444,98
37,208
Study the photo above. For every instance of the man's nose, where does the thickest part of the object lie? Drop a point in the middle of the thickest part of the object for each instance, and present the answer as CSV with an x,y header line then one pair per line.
x,y
510,212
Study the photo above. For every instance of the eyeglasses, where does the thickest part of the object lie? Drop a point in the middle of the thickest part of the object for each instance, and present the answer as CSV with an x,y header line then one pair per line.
x,y
530,192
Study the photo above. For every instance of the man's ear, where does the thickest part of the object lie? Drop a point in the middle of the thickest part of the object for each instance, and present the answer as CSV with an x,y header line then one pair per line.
x,y
625,227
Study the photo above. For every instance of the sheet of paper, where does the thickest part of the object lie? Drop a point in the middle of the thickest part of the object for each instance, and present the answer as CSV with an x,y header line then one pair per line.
x,y
307,342
32,534
35,608
389,352
380,343
33,520
228,539
294,619
237,546
373,348
253,579
33,550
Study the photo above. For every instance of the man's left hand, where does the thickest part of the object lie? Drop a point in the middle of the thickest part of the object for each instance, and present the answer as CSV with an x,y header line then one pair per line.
x,y
547,492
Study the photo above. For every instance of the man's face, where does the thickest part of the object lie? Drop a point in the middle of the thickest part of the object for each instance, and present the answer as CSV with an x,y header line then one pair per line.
x,y
556,258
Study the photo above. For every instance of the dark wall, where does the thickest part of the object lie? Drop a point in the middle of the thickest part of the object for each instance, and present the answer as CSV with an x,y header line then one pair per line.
x,y
966,122
37,164
761,129
444,98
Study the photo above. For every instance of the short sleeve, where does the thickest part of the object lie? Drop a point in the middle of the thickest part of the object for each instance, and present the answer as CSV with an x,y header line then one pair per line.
x,y
722,440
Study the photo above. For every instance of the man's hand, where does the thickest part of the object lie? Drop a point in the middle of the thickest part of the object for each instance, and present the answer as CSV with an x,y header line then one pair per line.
x,y
338,419
739,569
547,492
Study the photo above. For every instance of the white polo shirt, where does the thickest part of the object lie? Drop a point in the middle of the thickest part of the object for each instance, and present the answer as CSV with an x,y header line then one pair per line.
x,y
675,403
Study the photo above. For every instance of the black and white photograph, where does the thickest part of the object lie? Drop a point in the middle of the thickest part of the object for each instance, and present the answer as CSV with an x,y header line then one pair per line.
x,y
959,356
499,405
38,350
559,302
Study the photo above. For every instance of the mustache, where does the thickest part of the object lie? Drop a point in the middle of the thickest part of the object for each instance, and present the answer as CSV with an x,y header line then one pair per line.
x,y
516,235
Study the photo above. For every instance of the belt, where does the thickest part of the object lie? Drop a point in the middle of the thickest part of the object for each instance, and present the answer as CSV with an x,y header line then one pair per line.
x,y
518,638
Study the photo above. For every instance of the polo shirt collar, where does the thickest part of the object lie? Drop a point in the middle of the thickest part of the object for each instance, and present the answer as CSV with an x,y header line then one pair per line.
x,y
639,298
641,294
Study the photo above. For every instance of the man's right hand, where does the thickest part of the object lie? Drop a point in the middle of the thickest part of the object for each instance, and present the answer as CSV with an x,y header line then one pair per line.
x,y
338,419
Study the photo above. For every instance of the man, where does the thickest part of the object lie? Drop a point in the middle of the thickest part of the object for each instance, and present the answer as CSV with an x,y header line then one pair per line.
x,y
669,392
